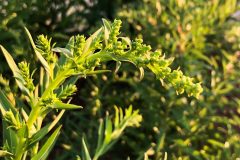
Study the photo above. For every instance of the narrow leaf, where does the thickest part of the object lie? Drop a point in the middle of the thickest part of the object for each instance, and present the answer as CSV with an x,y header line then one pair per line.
x,y
47,147
127,41
44,131
89,42
106,23
100,135
85,151
65,51
61,105
9,136
39,56
5,103
91,72
15,70
70,45
108,130
107,28
116,121
118,65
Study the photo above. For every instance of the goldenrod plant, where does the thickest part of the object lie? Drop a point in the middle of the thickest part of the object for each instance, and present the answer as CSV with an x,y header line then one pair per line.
x,y
25,136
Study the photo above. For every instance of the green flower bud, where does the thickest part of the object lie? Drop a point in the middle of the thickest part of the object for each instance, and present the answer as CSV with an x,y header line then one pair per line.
x,y
44,45
80,42
28,81
67,91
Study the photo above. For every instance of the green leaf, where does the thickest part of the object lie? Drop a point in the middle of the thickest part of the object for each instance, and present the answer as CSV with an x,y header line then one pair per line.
x,y
39,56
15,70
9,136
86,155
107,28
61,105
127,41
44,131
91,72
118,65
106,23
89,42
65,51
47,147
108,130
70,45
100,136
5,103
116,120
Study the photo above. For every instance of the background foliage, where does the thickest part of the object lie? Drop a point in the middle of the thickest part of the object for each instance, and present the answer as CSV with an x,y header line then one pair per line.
x,y
204,36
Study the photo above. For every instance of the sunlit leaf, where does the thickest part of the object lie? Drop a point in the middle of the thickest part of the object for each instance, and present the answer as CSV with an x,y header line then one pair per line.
x,y
47,147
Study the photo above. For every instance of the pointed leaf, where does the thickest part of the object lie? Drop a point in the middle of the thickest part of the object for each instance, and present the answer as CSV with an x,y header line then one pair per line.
x,y
100,135
92,72
61,105
116,120
89,42
5,103
86,155
70,45
47,147
118,65
44,131
39,56
106,23
108,130
127,41
9,136
15,70
65,51
107,28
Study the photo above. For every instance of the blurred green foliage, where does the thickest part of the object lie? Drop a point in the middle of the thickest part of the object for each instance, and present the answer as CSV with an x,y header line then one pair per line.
x,y
204,36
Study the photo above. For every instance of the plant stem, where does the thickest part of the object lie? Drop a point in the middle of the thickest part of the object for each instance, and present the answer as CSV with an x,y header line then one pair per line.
x,y
54,84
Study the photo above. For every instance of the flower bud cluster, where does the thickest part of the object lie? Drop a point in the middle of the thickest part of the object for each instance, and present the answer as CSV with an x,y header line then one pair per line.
x,y
44,45
67,91
49,100
12,120
28,81
80,42
142,56
115,31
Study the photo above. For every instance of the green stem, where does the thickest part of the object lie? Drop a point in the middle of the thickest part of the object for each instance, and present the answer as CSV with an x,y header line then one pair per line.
x,y
54,84
20,148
